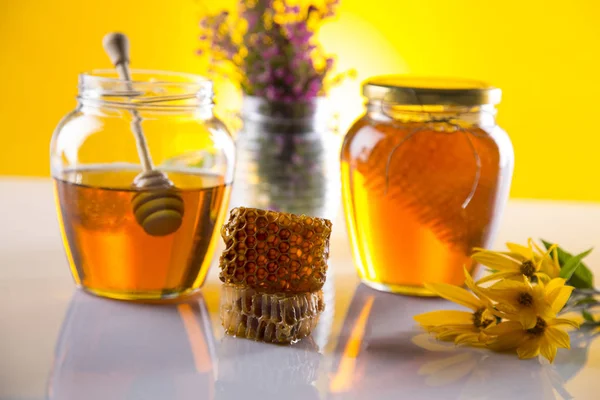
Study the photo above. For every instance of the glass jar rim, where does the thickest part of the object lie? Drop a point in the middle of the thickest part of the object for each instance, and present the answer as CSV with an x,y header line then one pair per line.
x,y
152,89
110,75
430,91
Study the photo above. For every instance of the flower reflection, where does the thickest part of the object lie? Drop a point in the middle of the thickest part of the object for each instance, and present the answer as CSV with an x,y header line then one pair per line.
x,y
382,354
483,373
119,350
254,370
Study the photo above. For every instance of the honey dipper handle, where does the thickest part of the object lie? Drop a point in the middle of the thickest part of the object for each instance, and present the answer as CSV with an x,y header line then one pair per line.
x,y
116,45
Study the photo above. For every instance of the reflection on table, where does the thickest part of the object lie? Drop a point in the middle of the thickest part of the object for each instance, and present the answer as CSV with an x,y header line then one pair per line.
x,y
251,370
118,350
378,356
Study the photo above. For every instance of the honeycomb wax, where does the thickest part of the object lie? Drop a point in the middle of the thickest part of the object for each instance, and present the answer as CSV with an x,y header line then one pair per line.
x,y
275,252
269,317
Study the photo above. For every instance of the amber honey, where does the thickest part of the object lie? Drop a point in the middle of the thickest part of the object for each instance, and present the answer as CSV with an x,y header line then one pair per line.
x,y
109,252
418,197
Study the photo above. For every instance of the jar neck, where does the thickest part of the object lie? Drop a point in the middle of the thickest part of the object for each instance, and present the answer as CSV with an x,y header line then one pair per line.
x,y
481,115
148,91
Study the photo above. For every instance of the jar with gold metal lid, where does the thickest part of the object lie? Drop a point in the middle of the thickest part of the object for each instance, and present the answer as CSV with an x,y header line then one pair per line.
x,y
426,173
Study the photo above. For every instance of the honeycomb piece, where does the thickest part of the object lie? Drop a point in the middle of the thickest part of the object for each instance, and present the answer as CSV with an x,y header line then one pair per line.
x,y
269,317
274,251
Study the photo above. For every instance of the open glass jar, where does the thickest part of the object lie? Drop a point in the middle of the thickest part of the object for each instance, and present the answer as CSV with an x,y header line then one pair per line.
x,y
425,176
111,228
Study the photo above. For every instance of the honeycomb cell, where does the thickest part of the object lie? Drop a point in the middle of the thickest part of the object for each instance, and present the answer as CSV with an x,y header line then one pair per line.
x,y
291,249
269,317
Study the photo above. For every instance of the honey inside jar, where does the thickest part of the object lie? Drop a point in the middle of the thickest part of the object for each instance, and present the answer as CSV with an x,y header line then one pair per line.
x,y
421,189
110,254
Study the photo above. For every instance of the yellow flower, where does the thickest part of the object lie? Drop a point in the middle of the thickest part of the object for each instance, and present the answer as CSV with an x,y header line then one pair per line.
x,y
524,302
462,327
519,262
543,338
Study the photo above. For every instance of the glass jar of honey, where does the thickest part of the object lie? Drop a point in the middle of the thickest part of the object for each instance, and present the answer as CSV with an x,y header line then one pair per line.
x,y
127,236
426,174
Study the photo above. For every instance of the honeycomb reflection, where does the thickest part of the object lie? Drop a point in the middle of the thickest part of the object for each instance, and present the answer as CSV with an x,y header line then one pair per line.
x,y
251,370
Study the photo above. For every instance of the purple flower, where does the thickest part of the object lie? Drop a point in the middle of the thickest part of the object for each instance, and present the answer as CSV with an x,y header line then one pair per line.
x,y
298,88
329,63
330,7
296,159
279,141
270,52
279,72
271,93
289,79
263,77
280,56
252,19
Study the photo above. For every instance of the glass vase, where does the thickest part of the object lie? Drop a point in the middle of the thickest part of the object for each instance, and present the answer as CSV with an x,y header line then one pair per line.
x,y
288,158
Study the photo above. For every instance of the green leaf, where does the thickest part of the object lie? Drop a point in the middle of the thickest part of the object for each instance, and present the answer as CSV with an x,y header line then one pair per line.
x,y
587,316
567,270
587,301
582,278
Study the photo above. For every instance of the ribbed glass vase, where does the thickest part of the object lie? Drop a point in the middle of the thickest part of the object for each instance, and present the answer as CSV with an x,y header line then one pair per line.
x,y
288,158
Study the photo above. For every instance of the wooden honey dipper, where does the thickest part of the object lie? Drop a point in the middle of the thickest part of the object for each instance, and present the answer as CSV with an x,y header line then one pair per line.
x,y
158,208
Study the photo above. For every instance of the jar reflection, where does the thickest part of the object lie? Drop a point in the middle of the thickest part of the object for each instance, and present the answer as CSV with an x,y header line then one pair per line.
x,y
254,370
114,350
381,354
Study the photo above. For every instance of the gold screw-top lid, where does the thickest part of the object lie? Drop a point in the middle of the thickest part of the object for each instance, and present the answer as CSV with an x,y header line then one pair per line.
x,y
409,90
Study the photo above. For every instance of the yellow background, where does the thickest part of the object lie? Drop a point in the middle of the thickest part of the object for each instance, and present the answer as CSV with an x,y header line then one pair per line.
x,y
543,54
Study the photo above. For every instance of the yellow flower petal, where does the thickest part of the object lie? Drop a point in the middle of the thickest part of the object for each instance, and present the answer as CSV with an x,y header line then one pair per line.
x,y
542,277
511,285
500,275
504,327
529,348
563,321
527,318
509,341
425,341
455,294
554,284
561,296
558,337
467,338
448,334
496,261
443,317
547,349
511,254
526,252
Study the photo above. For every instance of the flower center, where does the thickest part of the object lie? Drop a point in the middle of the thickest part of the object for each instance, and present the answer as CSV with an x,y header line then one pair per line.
x,y
528,268
479,321
525,299
539,327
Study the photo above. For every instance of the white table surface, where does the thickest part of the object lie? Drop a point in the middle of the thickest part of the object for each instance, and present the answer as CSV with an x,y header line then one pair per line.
x,y
59,343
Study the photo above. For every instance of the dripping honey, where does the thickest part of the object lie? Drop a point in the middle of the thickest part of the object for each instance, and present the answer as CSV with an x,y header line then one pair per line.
x,y
417,203
109,252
